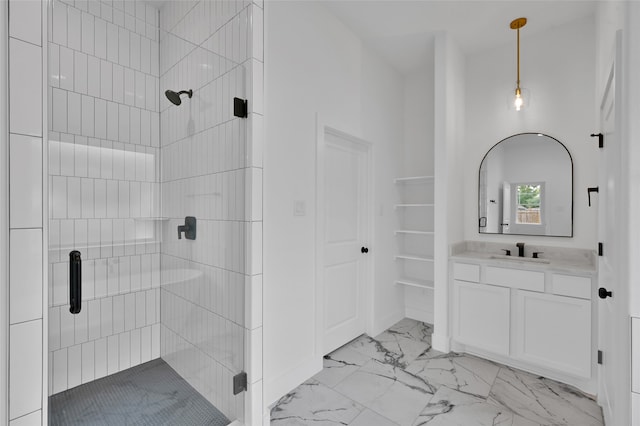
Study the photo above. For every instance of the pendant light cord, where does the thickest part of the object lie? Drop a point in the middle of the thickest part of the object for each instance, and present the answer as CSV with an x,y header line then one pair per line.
x,y
518,81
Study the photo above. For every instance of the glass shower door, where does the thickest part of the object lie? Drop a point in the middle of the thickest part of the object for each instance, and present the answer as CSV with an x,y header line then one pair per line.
x,y
203,176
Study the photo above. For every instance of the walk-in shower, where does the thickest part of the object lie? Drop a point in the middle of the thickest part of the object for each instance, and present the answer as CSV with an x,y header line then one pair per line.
x,y
174,97
157,322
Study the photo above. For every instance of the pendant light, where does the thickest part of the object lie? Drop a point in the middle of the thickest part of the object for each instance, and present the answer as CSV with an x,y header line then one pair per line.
x,y
520,99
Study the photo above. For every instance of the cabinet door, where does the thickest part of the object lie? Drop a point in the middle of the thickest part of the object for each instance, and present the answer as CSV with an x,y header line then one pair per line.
x,y
554,332
481,316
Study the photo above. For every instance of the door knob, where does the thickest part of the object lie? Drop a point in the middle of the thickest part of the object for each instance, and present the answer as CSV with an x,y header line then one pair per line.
x,y
364,250
603,293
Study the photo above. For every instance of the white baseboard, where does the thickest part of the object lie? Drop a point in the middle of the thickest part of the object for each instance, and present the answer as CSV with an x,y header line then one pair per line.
x,y
588,386
276,387
440,342
419,315
382,324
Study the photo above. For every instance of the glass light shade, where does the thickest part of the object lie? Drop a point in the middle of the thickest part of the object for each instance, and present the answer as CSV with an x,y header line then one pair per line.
x,y
519,99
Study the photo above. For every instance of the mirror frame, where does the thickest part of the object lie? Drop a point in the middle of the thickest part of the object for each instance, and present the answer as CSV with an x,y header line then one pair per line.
x,y
572,186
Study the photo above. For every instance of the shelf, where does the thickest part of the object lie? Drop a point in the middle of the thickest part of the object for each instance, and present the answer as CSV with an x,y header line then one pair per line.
x,y
409,231
414,282
414,179
413,257
414,205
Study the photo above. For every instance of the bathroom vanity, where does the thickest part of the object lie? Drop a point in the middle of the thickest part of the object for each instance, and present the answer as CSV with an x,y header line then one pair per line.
x,y
535,314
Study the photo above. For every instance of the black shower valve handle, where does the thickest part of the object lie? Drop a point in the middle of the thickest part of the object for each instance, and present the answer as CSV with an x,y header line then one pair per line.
x,y
188,229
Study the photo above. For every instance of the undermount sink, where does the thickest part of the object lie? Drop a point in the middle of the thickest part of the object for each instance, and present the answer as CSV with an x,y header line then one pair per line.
x,y
519,259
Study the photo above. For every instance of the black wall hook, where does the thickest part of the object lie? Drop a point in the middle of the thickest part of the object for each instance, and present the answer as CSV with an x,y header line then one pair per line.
x,y
600,137
589,191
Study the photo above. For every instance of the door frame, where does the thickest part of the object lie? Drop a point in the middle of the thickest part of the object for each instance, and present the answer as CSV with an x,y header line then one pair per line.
x,y
321,130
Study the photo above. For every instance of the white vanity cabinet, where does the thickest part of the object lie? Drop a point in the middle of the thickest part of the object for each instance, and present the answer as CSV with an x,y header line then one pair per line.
x,y
481,316
532,318
553,331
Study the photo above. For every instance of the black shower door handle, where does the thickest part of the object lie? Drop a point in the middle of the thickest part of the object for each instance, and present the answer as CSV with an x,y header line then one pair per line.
x,y
75,282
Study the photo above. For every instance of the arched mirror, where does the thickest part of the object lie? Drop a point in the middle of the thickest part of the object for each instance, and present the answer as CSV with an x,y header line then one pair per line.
x,y
526,187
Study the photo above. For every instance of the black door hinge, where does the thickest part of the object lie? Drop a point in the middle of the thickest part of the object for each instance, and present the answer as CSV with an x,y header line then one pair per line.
x,y
600,137
239,383
240,108
600,249
600,357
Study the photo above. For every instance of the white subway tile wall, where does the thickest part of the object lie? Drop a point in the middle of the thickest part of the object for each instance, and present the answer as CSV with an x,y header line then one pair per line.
x,y
104,188
207,172
25,218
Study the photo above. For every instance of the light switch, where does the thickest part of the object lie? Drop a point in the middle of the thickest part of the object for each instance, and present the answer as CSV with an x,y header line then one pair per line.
x,y
299,208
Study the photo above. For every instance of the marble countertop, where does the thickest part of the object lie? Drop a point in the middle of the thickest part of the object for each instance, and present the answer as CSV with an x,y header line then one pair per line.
x,y
559,259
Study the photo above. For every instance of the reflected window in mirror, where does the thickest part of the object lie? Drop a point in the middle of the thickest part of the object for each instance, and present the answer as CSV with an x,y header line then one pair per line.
x,y
526,187
528,208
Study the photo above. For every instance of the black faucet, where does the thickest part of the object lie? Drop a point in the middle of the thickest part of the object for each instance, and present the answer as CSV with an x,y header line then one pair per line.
x,y
520,249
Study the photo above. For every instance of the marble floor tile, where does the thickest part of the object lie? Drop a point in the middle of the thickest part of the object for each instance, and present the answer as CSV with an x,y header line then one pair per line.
x,y
431,353
463,373
340,364
402,343
367,383
401,403
371,418
314,403
542,400
413,329
405,346
449,407
373,349
389,391
397,379
405,325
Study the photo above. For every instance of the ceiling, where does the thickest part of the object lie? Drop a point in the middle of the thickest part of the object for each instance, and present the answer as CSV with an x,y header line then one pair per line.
x,y
403,31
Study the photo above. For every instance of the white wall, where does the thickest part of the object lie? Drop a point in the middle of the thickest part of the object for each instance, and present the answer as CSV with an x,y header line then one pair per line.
x,y
450,99
562,89
418,123
314,64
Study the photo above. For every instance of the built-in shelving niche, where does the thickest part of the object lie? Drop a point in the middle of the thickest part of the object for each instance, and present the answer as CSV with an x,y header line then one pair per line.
x,y
415,234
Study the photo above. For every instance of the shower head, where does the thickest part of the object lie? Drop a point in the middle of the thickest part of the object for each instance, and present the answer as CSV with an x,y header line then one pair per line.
x,y
174,97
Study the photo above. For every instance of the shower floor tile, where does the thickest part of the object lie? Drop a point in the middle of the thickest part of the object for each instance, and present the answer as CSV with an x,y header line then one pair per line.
x,y
148,394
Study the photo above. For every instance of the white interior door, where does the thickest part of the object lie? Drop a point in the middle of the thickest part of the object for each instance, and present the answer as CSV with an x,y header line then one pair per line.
x,y
345,240
613,392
